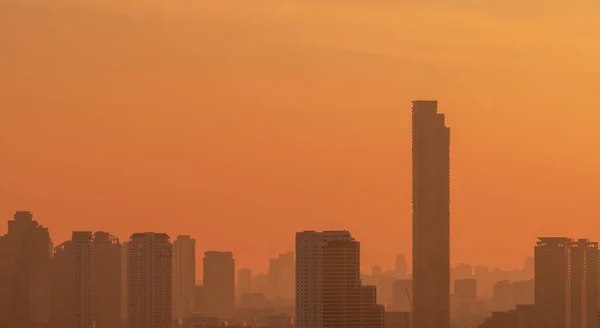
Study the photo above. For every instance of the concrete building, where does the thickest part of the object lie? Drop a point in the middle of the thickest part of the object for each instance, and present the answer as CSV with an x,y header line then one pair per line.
x,y
149,281
184,276
106,280
465,297
244,285
219,283
72,284
281,277
25,252
329,293
431,216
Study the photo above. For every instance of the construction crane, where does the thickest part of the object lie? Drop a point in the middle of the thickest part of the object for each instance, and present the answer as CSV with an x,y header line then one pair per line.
x,y
409,299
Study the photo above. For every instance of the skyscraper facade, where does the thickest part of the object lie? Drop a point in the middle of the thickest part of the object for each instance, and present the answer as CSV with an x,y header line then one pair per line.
x,y
281,277
583,283
149,281
244,282
219,283
552,297
184,276
431,216
72,283
25,252
328,287
106,280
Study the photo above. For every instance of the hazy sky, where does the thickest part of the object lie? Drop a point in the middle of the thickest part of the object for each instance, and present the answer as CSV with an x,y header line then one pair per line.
x,y
242,122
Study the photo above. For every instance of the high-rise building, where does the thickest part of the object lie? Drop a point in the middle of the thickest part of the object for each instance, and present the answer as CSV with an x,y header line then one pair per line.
x,y
149,281
583,283
465,293
431,216
106,280
244,285
124,249
328,287
522,292
552,298
25,252
503,297
400,267
184,276
281,277
72,283
219,283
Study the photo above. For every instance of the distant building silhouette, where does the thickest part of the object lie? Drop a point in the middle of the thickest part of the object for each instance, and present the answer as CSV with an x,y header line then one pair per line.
x,y
522,292
465,298
524,316
25,252
431,216
328,286
400,267
149,281
503,297
72,283
281,277
244,285
280,321
184,276
219,283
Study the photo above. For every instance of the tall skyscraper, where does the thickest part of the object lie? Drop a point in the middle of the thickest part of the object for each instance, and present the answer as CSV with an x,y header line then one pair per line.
x,y
431,216
184,276
244,285
552,298
465,293
400,267
124,249
106,278
25,252
328,288
149,281
281,277
72,283
219,283
583,283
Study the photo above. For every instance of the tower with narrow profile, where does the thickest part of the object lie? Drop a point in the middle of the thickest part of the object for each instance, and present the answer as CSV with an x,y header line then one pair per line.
x,y
431,216
184,276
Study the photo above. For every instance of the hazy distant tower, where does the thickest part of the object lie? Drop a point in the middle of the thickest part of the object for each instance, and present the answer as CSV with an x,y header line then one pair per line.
x,y
400,267
219,283
184,276
149,281
431,216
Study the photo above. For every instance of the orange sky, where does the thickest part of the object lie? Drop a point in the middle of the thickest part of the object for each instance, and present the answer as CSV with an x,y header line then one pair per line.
x,y
241,122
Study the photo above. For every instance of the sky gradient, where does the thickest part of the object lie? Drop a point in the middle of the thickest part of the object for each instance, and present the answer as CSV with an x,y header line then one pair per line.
x,y
242,122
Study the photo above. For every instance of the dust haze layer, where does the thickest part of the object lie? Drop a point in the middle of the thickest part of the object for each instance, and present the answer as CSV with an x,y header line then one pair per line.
x,y
241,122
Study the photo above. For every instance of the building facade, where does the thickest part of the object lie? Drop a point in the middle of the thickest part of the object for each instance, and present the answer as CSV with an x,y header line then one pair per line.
x,y
184,276
219,283
149,281
431,216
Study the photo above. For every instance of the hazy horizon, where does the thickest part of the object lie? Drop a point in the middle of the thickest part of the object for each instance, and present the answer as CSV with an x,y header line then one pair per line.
x,y
242,122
